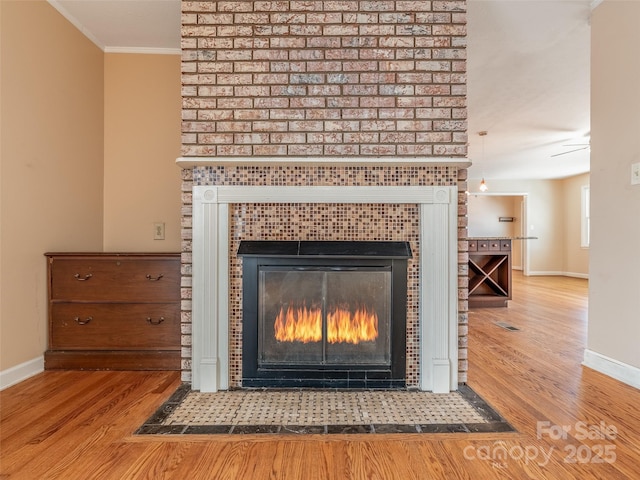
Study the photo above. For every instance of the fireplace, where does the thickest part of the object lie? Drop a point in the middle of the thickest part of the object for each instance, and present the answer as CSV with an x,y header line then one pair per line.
x,y
299,113
215,329
324,314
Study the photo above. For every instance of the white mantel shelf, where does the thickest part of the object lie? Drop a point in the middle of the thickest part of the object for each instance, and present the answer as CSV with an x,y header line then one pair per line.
x,y
190,162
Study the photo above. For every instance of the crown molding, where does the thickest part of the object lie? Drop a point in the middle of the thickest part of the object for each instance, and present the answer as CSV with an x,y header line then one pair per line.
x,y
143,50
75,22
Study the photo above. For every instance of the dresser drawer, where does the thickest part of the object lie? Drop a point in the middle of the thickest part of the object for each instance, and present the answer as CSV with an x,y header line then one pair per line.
x,y
115,279
473,245
83,326
483,245
505,245
494,245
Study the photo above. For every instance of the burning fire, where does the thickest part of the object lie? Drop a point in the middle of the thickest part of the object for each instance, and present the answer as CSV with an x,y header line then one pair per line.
x,y
304,325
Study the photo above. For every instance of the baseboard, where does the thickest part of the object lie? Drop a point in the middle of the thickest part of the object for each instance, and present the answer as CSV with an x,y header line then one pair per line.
x,y
584,276
21,372
542,273
613,368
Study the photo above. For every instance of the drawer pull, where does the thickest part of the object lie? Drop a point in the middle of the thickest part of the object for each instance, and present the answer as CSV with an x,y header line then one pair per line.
x,y
151,321
154,279
82,279
79,321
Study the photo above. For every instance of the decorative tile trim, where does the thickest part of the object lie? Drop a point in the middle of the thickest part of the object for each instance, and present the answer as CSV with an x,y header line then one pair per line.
x,y
181,415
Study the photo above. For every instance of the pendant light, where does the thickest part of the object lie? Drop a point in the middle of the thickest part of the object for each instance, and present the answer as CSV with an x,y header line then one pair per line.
x,y
483,185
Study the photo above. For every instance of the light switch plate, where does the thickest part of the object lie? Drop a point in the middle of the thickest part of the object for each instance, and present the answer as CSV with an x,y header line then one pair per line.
x,y
158,231
635,173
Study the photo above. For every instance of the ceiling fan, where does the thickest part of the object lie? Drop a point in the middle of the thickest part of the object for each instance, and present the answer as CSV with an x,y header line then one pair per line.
x,y
580,146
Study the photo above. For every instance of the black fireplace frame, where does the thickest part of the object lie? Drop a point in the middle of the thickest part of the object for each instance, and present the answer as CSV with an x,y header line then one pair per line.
x,y
336,255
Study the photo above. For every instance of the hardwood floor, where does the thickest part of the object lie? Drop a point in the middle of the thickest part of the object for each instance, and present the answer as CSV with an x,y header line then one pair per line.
x,y
79,425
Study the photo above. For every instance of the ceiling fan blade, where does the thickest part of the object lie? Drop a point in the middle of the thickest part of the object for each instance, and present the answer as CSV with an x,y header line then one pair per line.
x,y
570,151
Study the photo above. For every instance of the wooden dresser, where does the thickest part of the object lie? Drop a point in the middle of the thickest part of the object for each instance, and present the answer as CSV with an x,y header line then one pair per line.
x,y
489,272
113,311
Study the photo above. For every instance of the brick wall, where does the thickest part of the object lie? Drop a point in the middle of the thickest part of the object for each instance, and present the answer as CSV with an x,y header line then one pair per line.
x,y
330,79
272,78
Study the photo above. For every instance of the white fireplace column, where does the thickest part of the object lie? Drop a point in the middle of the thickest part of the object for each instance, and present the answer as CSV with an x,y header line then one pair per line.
x,y
438,305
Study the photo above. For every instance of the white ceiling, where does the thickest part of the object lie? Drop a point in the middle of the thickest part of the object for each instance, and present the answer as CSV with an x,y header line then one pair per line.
x,y
528,87
528,75
130,26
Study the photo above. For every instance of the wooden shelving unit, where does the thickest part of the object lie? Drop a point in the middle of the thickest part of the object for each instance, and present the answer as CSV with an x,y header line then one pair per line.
x,y
489,272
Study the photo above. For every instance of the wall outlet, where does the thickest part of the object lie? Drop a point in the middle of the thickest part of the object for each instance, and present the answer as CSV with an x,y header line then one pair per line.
x,y
158,231
635,173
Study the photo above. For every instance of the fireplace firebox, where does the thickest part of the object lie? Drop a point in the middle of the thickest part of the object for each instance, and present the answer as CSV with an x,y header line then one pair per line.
x,y
326,314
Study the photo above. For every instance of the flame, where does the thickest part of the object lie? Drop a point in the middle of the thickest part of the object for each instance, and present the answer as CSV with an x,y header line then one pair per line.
x,y
345,327
299,324
303,324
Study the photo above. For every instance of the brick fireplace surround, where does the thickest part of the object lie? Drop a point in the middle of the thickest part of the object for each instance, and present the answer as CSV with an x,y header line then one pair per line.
x,y
322,120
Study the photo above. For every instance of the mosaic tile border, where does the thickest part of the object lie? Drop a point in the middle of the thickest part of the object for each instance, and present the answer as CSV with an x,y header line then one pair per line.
x,y
307,175
321,222
491,422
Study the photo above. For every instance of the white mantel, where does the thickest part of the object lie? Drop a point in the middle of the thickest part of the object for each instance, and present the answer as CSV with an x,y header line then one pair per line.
x,y
190,162
438,311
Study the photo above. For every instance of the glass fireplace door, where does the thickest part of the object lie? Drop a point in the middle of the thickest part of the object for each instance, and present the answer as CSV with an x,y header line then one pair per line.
x,y
324,316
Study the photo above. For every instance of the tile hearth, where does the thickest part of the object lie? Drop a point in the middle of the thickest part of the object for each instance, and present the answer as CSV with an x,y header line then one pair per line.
x,y
299,411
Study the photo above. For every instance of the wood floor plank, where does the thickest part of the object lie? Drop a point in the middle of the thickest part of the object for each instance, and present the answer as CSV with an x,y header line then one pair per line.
x,y
79,425
204,460
85,420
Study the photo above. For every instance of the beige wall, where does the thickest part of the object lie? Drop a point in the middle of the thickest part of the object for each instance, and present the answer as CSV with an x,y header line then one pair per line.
x,y
554,217
614,295
87,161
484,212
52,162
545,220
576,257
142,142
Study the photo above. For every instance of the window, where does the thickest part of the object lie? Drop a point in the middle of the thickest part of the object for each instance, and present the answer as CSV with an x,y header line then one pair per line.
x,y
585,217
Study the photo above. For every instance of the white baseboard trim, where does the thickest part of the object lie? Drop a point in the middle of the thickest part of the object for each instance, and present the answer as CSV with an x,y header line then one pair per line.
x,y
543,273
584,276
558,274
613,368
21,372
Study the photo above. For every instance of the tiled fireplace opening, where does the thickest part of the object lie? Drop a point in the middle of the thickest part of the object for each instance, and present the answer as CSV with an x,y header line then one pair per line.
x,y
322,222
324,314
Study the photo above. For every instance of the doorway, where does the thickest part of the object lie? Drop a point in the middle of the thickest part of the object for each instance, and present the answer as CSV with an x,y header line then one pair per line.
x,y
501,215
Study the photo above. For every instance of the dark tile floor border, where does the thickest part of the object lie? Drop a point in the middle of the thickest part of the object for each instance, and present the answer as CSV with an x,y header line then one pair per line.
x,y
153,425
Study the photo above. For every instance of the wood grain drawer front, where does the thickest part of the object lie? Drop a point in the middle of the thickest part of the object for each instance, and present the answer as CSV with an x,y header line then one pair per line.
x,y
505,245
494,245
115,280
86,326
473,246
483,245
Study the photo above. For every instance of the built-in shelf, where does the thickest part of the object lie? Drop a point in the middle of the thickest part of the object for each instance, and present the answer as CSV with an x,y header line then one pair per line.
x,y
489,272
